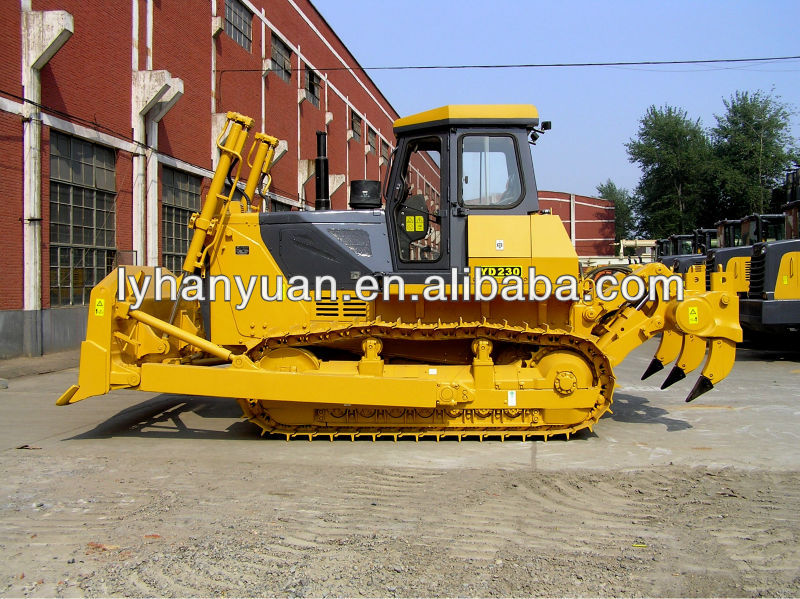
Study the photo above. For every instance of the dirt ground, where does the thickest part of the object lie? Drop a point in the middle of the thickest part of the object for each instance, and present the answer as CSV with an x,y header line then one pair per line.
x,y
143,495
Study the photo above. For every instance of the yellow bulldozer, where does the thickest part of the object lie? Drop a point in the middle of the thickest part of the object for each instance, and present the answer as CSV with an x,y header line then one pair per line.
x,y
426,310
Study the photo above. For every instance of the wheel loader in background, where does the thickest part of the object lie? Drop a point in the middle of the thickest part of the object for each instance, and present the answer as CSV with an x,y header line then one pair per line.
x,y
460,194
772,302
702,240
735,252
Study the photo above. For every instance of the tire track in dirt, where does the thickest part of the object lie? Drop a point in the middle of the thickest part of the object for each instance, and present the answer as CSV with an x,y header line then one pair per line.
x,y
265,529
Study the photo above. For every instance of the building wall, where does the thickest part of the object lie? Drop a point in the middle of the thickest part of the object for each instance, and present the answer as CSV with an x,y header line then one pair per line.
x,y
588,221
89,78
86,91
11,211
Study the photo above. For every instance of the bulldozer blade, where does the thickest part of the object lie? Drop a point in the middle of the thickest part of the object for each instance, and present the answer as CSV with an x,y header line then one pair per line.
x,y
67,396
702,385
675,375
654,367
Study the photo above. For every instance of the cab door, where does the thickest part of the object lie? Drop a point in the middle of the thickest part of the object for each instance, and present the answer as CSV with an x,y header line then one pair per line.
x,y
417,215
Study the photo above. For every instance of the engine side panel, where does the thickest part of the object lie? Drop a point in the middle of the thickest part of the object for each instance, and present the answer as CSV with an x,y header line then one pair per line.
x,y
343,244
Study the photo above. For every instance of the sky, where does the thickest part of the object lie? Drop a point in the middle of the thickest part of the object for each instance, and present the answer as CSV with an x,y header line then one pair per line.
x,y
594,110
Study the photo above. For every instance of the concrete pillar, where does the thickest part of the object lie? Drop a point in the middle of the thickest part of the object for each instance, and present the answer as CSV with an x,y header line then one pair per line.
x,y
217,25
280,151
335,182
157,91
43,34
306,169
152,119
300,94
218,120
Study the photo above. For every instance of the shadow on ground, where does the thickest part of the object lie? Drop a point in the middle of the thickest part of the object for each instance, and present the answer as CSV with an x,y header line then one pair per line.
x,y
165,416
761,352
638,410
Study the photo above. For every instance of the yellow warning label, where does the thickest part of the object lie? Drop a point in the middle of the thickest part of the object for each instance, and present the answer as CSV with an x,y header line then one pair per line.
x,y
785,279
420,222
694,318
410,223
99,307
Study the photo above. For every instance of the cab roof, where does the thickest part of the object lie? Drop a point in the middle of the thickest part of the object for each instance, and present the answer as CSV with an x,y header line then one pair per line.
x,y
520,115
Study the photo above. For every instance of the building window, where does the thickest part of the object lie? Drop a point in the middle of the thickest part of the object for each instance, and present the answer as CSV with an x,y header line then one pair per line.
x,y
281,58
385,151
82,217
313,85
355,125
239,23
180,197
372,140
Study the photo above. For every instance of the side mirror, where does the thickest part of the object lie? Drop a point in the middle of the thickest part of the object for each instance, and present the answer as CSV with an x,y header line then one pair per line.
x,y
535,133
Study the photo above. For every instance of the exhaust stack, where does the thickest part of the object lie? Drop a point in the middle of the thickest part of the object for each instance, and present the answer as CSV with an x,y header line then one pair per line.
x,y
323,201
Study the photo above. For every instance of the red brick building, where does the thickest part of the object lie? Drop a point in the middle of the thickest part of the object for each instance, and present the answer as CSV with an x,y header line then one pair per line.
x,y
589,221
108,136
109,114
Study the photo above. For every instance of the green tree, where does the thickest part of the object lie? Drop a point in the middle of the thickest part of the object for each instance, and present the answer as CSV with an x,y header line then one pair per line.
x,y
674,153
753,147
624,222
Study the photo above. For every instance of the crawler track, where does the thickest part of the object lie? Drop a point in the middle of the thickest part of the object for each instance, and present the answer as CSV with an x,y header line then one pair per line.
x,y
321,421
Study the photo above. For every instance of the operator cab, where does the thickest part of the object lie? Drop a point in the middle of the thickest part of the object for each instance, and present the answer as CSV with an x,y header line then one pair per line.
x,y
450,162
675,245
681,244
729,233
762,227
703,240
791,213
663,248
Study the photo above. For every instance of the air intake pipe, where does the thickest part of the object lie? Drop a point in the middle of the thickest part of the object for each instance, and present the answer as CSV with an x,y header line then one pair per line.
x,y
323,201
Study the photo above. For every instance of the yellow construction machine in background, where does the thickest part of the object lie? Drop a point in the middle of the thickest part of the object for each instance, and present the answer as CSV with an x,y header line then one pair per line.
x,y
460,194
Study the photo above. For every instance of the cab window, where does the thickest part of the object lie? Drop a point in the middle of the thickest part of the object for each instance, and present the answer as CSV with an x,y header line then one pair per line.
x,y
774,231
417,202
489,172
748,233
